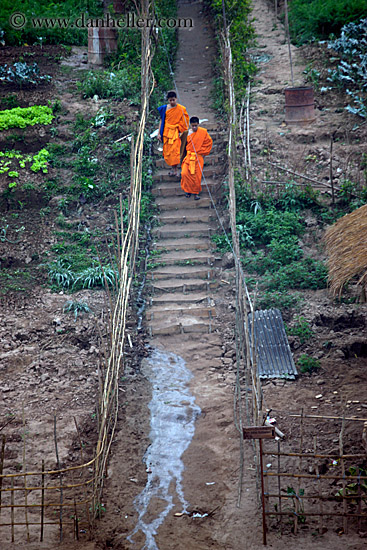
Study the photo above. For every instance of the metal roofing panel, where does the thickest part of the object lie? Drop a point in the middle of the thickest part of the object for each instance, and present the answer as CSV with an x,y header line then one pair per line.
x,y
274,357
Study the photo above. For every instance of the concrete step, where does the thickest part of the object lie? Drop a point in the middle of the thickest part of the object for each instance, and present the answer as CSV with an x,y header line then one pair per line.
x,y
185,325
178,203
184,299
210,160
183,285
173,189
185,243
173,230
179,272
209,171
186,215
185,257
179,311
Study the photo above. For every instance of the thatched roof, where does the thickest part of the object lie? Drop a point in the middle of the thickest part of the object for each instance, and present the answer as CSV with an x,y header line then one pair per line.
x,y
346,244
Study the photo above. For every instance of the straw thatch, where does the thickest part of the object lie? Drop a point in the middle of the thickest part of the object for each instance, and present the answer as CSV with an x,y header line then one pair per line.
x,y
346,243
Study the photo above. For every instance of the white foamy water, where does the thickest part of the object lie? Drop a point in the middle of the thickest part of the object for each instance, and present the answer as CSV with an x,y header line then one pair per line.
x,y
173,414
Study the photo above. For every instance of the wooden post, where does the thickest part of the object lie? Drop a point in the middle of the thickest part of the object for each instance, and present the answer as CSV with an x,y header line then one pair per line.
x,y
262,492
58,467
12,507
279,492
2,466
288,38
331,171
317,470
42,500
342,464
260,433
25,477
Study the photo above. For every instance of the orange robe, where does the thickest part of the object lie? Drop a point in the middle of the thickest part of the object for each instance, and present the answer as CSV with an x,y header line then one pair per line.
x,y
199,144
177,121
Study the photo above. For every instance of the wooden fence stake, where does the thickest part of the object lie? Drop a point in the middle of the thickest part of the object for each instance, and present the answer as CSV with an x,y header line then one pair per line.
x,y
2,455
42,499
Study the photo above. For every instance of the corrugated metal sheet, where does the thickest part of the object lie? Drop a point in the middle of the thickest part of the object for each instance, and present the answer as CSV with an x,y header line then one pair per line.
x,y
274,357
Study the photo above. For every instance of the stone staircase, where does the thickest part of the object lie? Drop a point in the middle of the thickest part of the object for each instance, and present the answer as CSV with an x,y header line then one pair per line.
x,y
181,278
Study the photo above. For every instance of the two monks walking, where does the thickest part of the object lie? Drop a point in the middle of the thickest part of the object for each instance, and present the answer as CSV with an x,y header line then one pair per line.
x,y
174,125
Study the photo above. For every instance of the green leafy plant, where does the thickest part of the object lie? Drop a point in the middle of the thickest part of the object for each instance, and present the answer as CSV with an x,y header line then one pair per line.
x,y
301,329
28,116
22,74
357,488
297,508
76,308
280,300
307,364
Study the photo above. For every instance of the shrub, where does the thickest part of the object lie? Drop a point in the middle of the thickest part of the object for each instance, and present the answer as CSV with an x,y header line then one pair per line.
x,y
304,274
318,19
308,364
271,224
280,300
301,329
120,84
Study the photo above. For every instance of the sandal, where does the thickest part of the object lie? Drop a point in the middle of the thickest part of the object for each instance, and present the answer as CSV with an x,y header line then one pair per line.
x,y
197,197
187,195
173,174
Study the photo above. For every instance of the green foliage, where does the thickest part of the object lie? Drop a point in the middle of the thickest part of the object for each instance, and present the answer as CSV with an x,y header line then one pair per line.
x,y
27,116
351,73
242,36
59,33
307,364
10,101
318,19
120,84
40,161
357,488
221,242
301,329
61,273
22,74
279,300
303,274
271,224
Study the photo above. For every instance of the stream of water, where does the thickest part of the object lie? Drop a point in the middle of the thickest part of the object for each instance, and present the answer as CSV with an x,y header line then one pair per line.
x,y
173,414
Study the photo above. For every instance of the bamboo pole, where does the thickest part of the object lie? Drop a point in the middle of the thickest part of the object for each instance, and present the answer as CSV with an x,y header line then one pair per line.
x,y
331,171
25,477
82,472
42,500
288,39
315,514
279,489
61,488
319,487
313,455
2,455
342,464
352,419
312,476
12,509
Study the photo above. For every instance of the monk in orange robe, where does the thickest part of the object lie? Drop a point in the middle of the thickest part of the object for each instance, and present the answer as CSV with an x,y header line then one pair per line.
x,y
199,144
174,121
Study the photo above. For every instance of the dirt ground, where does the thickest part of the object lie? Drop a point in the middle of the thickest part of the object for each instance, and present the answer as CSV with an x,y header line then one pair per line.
x,y
49,362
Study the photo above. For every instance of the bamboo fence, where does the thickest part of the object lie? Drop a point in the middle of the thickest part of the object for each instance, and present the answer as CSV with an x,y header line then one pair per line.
x,y
71,498
312,485
321,500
